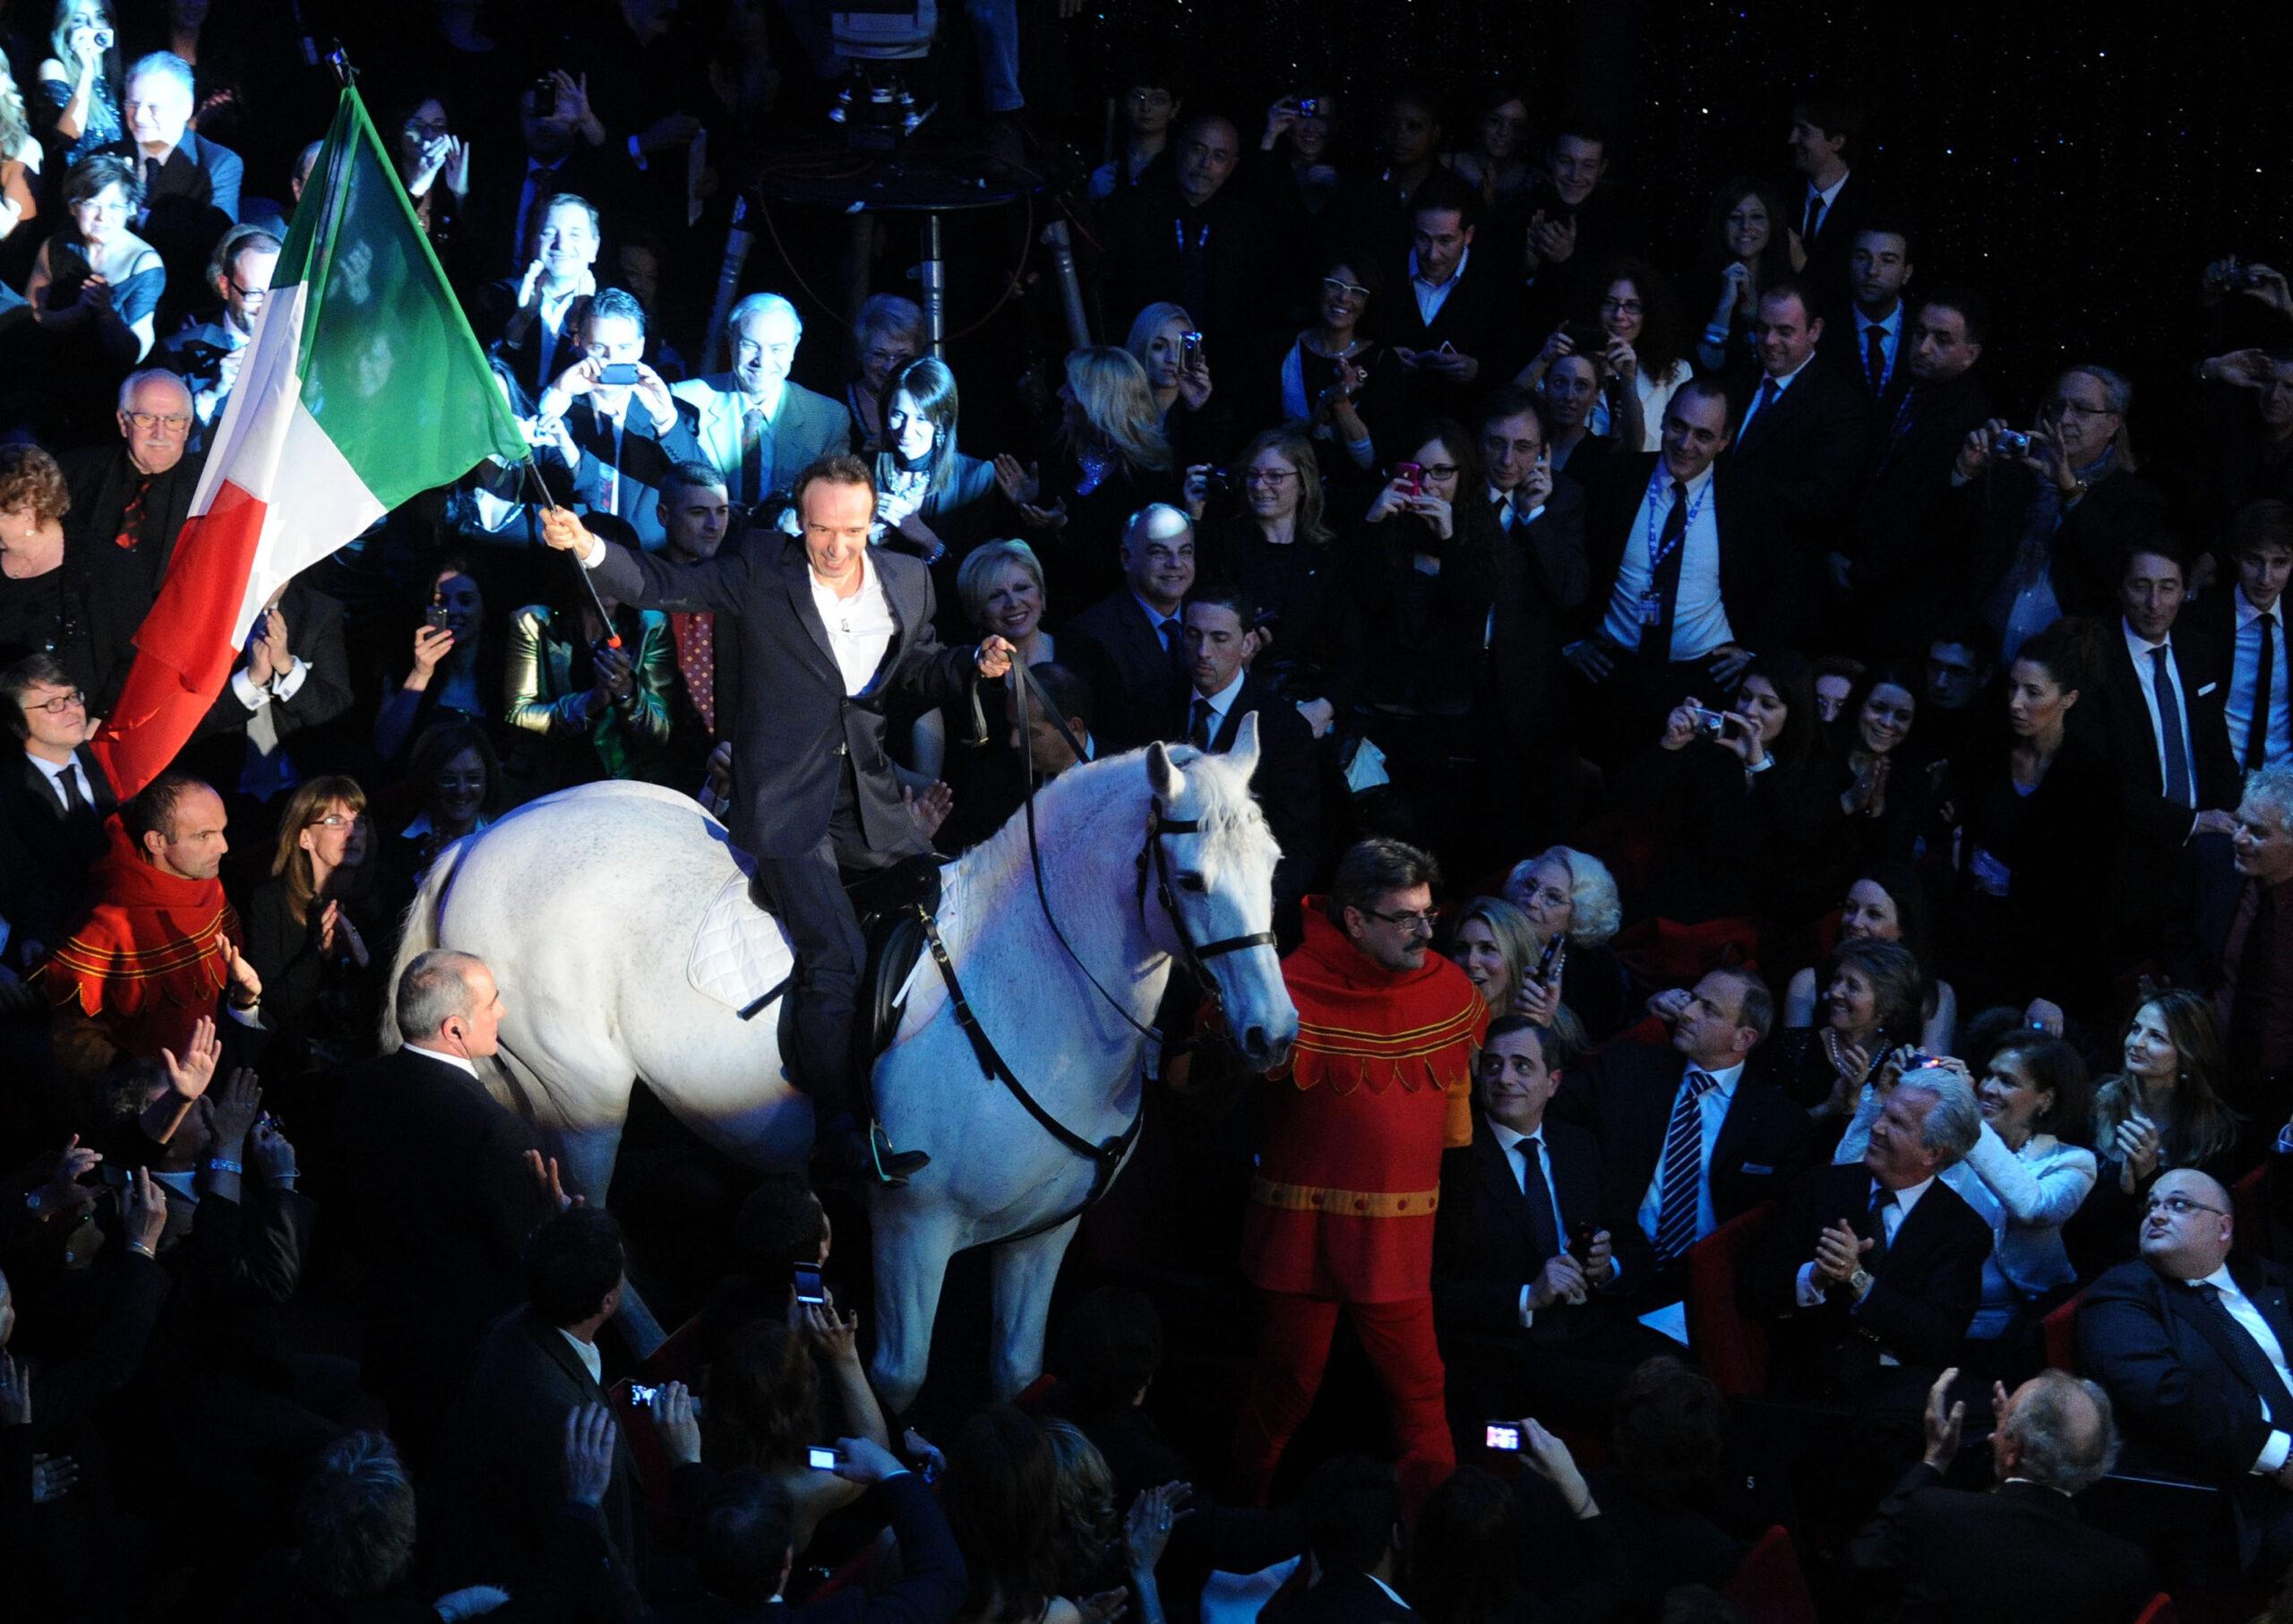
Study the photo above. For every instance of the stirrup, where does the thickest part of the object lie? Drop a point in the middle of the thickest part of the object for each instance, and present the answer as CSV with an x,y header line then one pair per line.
x,y
893,1167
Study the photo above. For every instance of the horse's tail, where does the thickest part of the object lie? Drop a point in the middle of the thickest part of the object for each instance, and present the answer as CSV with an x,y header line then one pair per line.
x,y
419,934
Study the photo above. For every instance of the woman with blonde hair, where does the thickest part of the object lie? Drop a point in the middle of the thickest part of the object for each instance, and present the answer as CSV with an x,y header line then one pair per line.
x,y
1108,459
19,162
1570,895
1179,376
79,80
2161,1111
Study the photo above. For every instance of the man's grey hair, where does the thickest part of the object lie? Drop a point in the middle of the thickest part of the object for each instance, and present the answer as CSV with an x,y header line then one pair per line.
x,y
434,989
2063,1448
2118,390
165,64
136,379
1954,1122
1156,521
757,304
2273,787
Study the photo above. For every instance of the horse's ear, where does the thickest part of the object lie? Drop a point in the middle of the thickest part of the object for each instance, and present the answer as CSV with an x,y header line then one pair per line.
x,y
1163,776
1244,754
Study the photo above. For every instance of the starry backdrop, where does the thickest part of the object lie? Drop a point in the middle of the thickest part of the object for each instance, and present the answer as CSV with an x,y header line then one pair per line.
x,y
2076,164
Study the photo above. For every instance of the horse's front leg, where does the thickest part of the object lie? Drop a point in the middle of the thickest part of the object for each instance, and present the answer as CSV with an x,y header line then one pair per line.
x,y
1024,1273
913,1245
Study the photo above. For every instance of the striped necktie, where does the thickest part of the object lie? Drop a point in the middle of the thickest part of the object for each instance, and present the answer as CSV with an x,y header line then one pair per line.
x,y
1683,1169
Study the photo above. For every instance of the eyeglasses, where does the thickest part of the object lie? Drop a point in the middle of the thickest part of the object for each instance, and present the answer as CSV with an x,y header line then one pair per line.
x,y
334,821
2181,1207
428,131
61,702
249,293
169,422
2072,408
1338,285
1434,470
1268,475
1429,918
1621,307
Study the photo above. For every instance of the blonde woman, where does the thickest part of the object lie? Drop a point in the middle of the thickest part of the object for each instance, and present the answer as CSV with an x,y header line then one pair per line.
x,y
20,158
1108,459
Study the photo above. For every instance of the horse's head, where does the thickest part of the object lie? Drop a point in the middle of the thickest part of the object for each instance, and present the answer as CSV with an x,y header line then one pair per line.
x,y
1217,866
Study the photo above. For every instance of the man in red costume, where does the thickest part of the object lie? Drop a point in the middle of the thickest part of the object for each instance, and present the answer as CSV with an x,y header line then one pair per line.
x,y
159,948
1341,1215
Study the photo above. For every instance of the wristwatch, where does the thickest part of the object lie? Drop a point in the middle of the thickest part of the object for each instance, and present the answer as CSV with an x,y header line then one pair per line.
x,y
1859,1282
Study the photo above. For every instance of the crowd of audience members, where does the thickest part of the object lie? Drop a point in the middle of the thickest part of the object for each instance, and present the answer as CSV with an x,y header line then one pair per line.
x,y
1867,800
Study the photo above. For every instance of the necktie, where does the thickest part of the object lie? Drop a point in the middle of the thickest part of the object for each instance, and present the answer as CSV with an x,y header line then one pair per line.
x,y
1672,548
1875,356
2264,676
2255,1364
151,189
752,455
1198,730
697,663
612,463
131,517
2169,723
75,803
1761,402
1882,1200
1503,506
1544,1229
1813,221
1683,1169
1173,633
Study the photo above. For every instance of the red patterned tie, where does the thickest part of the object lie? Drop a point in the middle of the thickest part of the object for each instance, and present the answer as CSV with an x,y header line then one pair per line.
x,y
131,517
697,663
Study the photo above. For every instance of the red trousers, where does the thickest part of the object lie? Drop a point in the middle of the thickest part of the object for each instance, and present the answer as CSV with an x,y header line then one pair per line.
x,y
1293,1353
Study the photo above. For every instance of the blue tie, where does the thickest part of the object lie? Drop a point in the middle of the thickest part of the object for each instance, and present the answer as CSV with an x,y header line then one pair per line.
x,y
2169,721
1683,1169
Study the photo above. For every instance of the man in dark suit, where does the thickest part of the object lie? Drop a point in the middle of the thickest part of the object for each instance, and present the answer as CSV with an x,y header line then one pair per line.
x,y
1868,338
1890,589
509,202
1873,1271
1454,321
495,1496
1131,648
1353,1517
1185,236
441,1201
1528,1257
2018,1552
696,522
625,437
1688,1140
2192,1349
1543,579
2159,716
530,320
1220,638
2248,623
1677,573
206,354
2243,955
190,185
52,805
1832,203
1800,450
135,496
832,632
294,677
744,1539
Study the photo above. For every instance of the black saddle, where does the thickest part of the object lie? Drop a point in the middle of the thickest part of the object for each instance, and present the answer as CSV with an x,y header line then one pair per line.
x,y
890,903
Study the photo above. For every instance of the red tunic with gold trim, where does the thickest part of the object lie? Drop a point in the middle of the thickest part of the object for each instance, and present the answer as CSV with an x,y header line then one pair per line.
x,y
149,959
1381,1083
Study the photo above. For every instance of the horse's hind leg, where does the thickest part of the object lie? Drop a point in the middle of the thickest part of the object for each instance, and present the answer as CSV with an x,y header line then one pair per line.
x,y
1024,1273
913,1245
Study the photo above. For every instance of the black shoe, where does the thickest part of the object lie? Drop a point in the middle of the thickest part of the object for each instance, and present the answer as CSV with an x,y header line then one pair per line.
x,y
842,1153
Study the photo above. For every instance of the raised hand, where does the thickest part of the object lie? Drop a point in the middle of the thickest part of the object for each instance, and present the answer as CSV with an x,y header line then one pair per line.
x,y
246,989
188,1077
147,1212
589,1454
1943,1421
562,530
678,1421
547,1180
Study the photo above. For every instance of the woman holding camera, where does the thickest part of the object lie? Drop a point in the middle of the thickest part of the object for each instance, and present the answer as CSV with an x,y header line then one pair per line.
x,y
1327,370
433,165
78,81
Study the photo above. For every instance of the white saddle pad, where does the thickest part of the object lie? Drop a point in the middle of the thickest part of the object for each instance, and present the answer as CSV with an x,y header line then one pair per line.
x,y
740,952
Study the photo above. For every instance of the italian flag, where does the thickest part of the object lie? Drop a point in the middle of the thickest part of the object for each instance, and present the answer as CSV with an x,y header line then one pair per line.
x,y
362,386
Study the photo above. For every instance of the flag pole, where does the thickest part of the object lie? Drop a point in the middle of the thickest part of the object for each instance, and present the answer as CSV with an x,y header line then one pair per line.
x,y
613,638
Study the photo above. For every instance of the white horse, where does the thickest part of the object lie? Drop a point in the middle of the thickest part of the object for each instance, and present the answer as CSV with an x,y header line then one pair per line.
x,y
584,905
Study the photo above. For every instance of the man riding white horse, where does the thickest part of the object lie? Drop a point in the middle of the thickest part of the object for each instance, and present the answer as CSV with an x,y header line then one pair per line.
x,y
831,633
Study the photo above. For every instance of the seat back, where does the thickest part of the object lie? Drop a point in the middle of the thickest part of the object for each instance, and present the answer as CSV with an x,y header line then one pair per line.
x,y
2248,1198
1730,1344
2060,1328
2160,1610
1769,1587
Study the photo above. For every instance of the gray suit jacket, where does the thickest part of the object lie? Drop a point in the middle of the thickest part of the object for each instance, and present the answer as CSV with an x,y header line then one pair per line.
x,y
807,427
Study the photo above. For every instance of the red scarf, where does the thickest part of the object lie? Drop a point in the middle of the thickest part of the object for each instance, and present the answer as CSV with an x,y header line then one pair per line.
x,y
149,959
1360,1024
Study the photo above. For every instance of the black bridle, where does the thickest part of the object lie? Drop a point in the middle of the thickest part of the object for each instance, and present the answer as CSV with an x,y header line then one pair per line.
x,y
1106,1157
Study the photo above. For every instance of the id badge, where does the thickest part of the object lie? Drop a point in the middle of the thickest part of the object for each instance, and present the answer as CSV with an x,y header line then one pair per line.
x,y
1652,607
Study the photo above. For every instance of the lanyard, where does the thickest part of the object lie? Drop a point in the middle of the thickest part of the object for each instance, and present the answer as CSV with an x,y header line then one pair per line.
x,y
1657,483
1201,241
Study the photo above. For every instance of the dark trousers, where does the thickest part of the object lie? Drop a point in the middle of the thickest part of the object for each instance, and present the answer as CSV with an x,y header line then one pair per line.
x,y
807,894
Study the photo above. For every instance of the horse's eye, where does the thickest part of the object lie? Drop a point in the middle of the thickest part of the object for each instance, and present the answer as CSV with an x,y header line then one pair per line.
x,y
1195,883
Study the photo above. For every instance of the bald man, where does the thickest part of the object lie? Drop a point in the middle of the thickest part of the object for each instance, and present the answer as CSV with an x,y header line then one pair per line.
x,y
1189,236
1131,646
2018,1551
2192,1347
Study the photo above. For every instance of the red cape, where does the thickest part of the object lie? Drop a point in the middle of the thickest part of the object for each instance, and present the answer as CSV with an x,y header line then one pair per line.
x,y
149,959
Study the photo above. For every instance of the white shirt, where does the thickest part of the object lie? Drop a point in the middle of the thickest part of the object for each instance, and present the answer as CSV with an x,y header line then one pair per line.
x,y
1511,1144
1713,1107
1830,194
451,1060
860,628
1890,328
2244,672
551,309
55,770
2138,647
1783,383
2242,1310
1513,516
1433,295
1158,619
1220,702
1700,619
591,1360
1891,1217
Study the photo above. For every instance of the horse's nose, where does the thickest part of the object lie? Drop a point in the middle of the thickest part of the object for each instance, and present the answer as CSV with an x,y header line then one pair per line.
x,y
1263,1051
